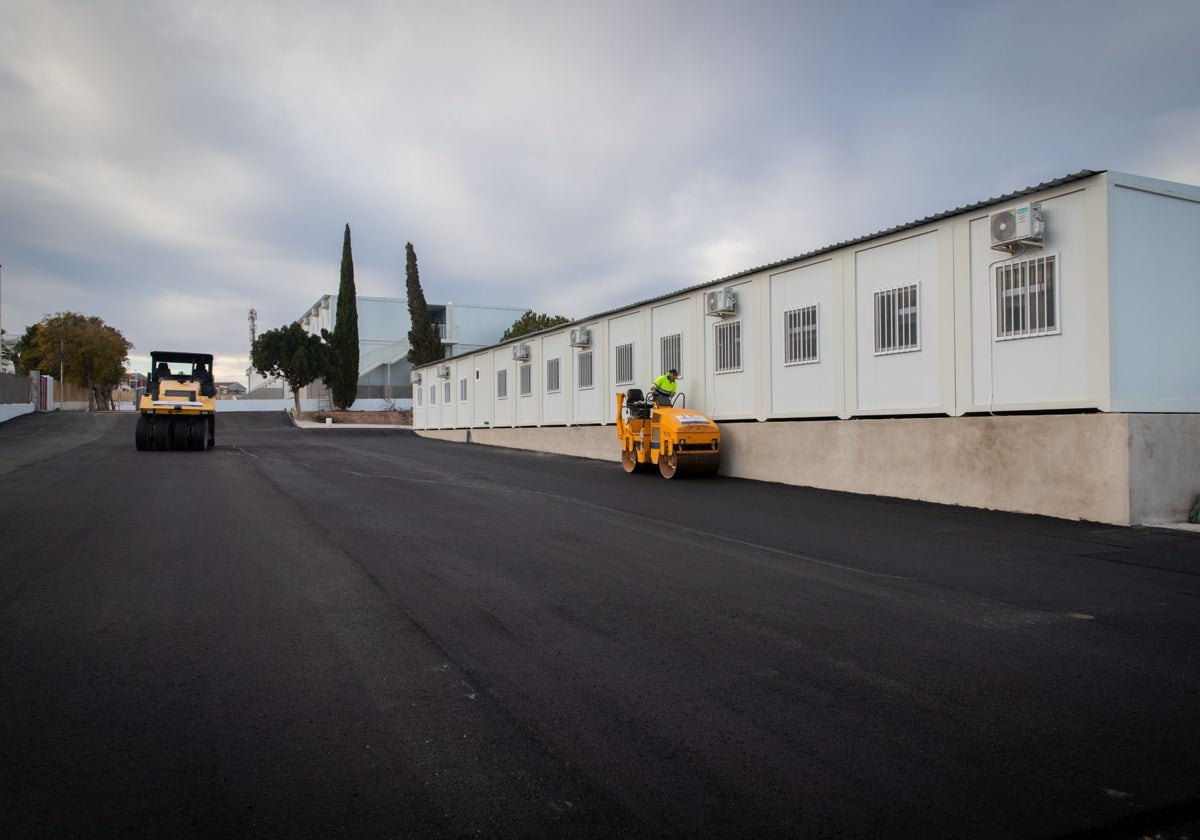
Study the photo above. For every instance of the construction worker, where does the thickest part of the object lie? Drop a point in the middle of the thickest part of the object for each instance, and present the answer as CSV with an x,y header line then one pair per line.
x,y
665,385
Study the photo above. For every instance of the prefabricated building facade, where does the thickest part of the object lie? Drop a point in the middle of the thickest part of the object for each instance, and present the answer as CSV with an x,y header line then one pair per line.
x,y
1036,352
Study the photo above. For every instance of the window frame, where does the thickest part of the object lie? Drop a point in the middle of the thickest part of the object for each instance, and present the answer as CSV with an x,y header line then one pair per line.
x,y
502,384
670,353
525,379
587,383
1017,287
802,335
897,319
727,346
553,376
623,368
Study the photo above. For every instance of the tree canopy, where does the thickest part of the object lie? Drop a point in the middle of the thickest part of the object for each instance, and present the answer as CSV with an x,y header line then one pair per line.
x,y
424,343
88,351
342,376
291,354
532,322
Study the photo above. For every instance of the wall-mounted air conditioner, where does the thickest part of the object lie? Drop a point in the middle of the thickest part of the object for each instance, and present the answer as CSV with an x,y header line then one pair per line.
x,y
443,371
720,302
581,337
415,377
1020,225
521,352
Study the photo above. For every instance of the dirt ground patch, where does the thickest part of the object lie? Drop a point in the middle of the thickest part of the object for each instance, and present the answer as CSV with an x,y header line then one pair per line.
x,y
378,418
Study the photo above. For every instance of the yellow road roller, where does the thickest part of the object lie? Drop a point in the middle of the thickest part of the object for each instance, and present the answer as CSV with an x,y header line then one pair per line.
x,y
179,408
656,431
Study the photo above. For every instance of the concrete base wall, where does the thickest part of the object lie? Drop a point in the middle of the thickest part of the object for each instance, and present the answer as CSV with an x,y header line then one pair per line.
x,y
1121,469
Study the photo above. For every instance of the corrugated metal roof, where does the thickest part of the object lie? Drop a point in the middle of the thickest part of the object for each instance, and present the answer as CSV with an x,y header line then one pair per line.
x,y
969,208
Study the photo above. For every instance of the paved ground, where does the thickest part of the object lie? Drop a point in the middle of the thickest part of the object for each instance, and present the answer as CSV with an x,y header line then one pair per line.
x,y
367,634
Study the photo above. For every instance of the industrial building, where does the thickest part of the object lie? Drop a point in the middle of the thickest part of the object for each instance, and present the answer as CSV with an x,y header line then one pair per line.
x,y
1034,352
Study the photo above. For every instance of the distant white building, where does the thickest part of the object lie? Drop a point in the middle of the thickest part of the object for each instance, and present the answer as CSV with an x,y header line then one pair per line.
x,y
383,327
1034,352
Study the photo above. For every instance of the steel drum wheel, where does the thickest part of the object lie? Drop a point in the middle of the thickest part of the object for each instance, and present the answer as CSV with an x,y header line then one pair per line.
x,y
668,465
629,460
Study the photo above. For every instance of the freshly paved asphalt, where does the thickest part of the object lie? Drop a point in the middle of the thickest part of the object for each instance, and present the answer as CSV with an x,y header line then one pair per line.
x,y
367,634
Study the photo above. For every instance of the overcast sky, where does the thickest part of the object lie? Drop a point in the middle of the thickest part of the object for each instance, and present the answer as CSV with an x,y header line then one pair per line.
x,y
166,165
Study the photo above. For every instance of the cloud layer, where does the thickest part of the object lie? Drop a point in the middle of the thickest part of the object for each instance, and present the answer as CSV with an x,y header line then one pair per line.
x,y
166,166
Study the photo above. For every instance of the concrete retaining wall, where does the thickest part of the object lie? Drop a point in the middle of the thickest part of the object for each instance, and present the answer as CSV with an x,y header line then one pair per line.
x,y
1114,468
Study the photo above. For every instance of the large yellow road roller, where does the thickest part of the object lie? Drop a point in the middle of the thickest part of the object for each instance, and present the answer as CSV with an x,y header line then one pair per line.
x,y
654,431
179,408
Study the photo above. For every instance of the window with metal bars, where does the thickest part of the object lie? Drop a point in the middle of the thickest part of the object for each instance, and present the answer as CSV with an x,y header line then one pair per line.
x,y
584,379
462,389
433,395
1027,298
670,350
552,385
800,336
502,384
897,320
727,337
526,374
446,392
624,366
420,392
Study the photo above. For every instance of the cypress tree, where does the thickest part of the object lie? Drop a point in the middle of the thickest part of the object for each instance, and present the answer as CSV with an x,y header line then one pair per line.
x,y
425,345
343,370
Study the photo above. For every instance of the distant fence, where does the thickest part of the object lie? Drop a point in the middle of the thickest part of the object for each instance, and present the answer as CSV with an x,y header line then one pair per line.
x,y
15,389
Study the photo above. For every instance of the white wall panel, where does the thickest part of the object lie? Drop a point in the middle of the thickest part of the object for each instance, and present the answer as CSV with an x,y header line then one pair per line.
x,y
905,381
1155,307
1040,371
808,388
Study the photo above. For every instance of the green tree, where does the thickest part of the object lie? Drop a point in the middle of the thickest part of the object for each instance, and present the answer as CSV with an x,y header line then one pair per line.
x,y
291,354
342,377
532,322
88,351
24,353
424,343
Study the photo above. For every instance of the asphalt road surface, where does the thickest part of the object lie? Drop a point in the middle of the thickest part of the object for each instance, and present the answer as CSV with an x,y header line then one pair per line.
x,y
355,633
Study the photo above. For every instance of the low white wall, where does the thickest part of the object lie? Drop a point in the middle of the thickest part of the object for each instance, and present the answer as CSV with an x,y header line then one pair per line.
x,y
1114,468
10,410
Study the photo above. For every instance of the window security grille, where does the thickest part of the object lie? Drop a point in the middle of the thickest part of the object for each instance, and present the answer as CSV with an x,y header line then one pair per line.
x,y
897,317
728,343
552,376
526,373
585,371
433,395
446,392
800,336
420,392
502,384
1027,298
671,353
624,364
462,389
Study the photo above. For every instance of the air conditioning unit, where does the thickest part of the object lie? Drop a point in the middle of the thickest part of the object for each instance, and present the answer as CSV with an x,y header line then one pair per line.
x,y
581,337
1020,225
521,352
720,302
443,371
415,377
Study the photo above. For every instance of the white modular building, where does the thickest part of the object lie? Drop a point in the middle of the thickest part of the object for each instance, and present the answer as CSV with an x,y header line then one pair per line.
x,y
1035,352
